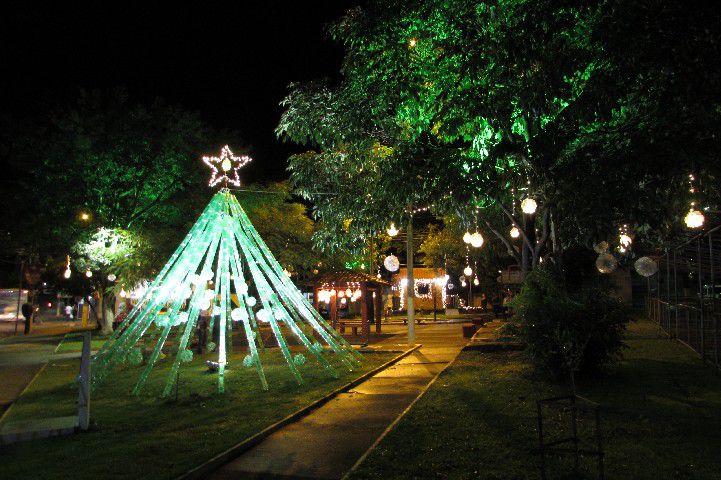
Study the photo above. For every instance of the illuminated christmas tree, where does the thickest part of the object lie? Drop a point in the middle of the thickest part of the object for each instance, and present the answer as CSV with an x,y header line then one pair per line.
x,y
224,270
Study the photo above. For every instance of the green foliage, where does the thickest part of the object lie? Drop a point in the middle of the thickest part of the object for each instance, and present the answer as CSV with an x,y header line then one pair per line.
x,y
581,331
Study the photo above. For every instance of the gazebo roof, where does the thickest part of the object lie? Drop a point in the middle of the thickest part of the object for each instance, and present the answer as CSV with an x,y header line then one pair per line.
x,y
344,277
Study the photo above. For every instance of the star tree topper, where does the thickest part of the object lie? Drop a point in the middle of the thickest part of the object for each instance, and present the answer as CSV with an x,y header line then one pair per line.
x,y
227,162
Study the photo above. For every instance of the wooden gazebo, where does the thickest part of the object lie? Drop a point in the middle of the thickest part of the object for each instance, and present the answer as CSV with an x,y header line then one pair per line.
x,y
359,287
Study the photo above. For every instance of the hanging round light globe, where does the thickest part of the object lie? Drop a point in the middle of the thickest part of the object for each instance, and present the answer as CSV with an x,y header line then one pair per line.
x,y
645,266
251,301
467,237
606,263
67,273
475,281
514,233
476,240
88,273
625,240
391,263
468,271
463,283
694,218
111,277
392,230
529,205
263,315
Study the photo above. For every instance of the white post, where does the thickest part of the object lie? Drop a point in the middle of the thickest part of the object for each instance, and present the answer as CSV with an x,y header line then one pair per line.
x,y
84,385
410,286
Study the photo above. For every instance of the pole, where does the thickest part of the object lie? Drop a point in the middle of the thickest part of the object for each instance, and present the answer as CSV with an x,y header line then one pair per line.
x,y
700,298
410,287
20,292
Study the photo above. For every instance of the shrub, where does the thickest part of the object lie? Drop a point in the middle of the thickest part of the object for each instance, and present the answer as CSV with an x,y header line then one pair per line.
x,y
568,331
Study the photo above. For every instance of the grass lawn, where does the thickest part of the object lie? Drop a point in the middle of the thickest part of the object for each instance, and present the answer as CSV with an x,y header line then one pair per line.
x,y
146,437
660,417
73,342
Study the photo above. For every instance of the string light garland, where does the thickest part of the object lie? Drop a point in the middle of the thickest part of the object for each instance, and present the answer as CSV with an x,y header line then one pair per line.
x,y
67,272
694,218
229,164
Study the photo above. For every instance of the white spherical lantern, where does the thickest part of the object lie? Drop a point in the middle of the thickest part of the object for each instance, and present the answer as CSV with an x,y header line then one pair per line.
x,y
694,219
67,273
111,277
391,263
625,240
606,263
467,237
468,271
475,281
251,301
88,273
476,240
263,315
529,205
237,314
515,233
645,266
242,288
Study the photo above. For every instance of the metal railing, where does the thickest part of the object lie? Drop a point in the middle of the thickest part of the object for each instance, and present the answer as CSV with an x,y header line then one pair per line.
x,y
684,298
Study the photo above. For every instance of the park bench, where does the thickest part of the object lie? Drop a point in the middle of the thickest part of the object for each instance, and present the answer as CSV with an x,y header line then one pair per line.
x,y
353,323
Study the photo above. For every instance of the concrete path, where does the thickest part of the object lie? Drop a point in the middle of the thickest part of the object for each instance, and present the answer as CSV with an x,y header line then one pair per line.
x,y
326,443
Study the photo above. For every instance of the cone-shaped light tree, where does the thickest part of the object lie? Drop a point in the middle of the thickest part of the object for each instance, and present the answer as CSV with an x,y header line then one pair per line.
x,y
224,270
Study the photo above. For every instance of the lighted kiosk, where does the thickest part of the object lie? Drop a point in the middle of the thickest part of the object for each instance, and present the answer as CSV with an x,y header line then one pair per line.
x,y
352,292
224,272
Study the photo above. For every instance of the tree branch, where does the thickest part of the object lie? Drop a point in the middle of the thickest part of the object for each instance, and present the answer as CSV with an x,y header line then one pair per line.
x,y
513,250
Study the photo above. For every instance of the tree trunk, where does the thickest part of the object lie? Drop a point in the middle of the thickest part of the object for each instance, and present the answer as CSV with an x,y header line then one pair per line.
x,y
106,315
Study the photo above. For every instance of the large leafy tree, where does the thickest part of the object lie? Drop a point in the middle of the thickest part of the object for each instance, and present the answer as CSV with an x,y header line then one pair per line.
x,y
474,100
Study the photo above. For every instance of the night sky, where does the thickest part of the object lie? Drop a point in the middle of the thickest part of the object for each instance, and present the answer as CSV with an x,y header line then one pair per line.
x,y
231,63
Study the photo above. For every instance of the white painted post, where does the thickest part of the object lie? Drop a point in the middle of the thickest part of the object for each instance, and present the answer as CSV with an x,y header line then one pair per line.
x,y
410,287
84,385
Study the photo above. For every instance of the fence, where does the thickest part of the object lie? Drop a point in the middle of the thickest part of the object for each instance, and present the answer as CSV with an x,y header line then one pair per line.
x,y
683,297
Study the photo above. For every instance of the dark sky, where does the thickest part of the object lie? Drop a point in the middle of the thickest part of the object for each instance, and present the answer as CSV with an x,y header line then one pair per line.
x,y
230,63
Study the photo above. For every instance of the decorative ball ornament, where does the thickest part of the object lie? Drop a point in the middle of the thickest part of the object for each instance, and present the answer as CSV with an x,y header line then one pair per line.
x,y
468,271
237,314
392,230
462,278
514,233
263,315
391,263
248,361
242,288
299,359
450,286
475,281
227,162
88,273
645,266
694,218
251,301
463,283
467,237
606,263
601,247
529,205
476,240
186,356
111,277
67,273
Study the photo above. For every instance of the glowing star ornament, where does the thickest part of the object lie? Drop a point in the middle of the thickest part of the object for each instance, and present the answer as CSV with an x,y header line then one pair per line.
x,y
229,164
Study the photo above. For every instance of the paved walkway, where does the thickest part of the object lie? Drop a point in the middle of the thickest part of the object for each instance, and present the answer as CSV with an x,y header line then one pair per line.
x,y
326,443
